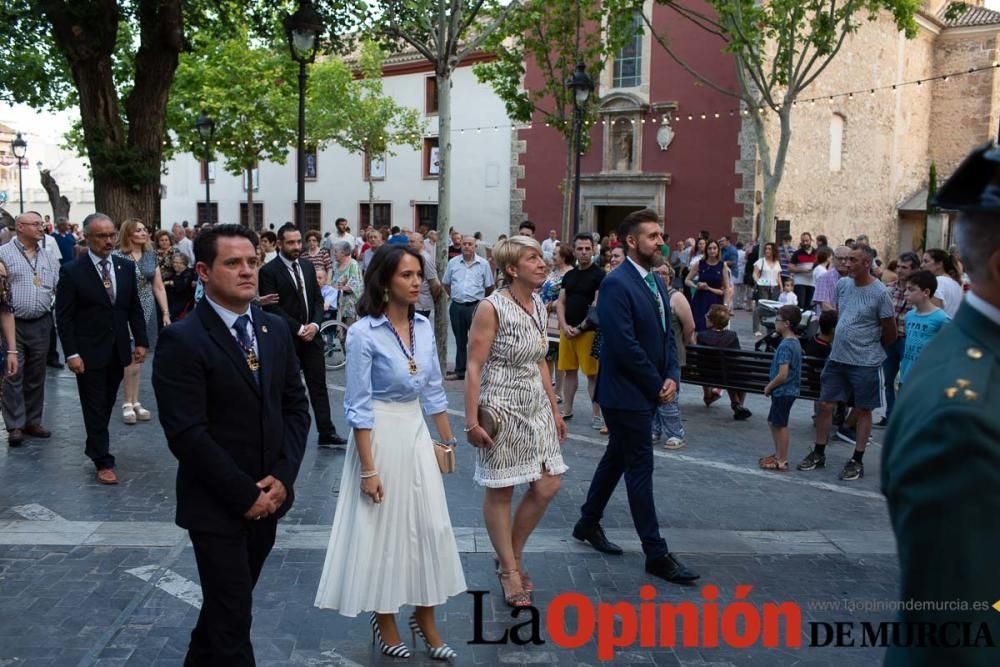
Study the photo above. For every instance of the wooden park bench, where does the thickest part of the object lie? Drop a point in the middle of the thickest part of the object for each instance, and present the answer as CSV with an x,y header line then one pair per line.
x,y
743,370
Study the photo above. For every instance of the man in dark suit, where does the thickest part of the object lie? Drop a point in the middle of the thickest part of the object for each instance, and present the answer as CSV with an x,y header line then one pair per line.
x,y
638,371
97,303
300,304
235,414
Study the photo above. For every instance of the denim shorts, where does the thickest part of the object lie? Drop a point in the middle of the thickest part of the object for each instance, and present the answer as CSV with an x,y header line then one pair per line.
x,y
781,407
842,382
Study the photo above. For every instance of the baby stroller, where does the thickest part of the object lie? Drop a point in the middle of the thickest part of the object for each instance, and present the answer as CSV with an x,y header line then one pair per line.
x,y
806,329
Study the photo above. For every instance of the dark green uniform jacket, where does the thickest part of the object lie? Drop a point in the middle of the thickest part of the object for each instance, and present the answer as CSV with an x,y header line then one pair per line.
x,y
941,476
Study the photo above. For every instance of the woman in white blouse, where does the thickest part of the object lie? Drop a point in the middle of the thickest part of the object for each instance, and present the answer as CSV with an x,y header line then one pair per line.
x,y
392,542
767,278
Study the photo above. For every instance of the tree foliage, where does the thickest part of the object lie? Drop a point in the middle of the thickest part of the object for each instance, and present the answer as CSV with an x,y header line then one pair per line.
x,y
780,48
115,60
251,94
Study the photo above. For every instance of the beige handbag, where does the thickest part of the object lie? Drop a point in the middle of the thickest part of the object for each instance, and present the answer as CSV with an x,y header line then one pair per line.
x,y
445,457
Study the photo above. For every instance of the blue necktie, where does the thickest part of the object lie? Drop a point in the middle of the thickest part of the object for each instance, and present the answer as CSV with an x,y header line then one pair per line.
x,y
246,345
651,283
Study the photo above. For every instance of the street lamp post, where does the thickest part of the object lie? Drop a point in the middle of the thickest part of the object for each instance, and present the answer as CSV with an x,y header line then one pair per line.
x,y
581,84
206,128
302,29
19,147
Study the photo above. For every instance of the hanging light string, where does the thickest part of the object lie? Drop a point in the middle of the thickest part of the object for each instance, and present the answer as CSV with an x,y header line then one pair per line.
x,y
704,115
850,95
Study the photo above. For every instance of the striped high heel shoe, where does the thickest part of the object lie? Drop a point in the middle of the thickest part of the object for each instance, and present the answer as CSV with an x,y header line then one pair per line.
x,y
398,651
442,652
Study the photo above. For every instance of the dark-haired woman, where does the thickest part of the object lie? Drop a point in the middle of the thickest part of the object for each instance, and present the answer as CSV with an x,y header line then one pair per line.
x,y
392,542
949,292
710,282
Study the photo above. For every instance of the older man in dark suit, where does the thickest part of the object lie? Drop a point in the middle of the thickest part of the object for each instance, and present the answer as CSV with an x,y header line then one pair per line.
x,y
300,304
97,305
638,371
235,415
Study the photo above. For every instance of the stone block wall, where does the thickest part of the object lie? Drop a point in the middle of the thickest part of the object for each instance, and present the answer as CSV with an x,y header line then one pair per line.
x,y
965,107
884,156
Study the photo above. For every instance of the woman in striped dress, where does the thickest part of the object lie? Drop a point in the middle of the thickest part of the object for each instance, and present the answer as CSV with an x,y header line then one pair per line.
x,y
507,375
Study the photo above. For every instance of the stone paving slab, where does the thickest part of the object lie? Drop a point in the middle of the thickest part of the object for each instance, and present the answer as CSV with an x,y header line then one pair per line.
x,y
100,575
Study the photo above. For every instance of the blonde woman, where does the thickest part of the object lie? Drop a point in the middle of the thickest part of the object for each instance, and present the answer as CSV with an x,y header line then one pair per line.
x,y
134,244
507,374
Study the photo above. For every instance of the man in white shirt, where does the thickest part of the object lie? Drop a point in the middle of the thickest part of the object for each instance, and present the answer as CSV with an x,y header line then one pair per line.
x,y
550,244
182,243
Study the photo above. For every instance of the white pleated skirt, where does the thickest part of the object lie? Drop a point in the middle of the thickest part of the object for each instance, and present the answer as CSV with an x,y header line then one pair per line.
x,y
401,551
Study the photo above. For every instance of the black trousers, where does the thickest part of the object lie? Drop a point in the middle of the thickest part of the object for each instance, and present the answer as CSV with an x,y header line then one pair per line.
x,y
461,321
629,453
98,394
314,371
228,567
53,350
804,293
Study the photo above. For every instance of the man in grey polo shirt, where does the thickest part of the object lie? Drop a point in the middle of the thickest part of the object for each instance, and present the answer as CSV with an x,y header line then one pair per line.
x,y
33,273
866,323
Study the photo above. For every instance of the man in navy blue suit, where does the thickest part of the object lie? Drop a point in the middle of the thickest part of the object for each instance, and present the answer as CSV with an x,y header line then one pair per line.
x,y
235,414
638,371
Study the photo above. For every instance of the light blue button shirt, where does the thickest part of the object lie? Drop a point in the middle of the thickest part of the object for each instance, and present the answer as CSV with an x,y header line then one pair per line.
x,y
378,370
468,282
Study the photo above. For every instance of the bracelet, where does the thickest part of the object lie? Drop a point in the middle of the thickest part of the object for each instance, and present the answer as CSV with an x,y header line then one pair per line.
x,y
470,428
451,442
11,351
370,473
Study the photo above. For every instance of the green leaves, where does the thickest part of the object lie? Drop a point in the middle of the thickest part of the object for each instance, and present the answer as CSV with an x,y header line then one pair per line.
x,y
251,93
355,112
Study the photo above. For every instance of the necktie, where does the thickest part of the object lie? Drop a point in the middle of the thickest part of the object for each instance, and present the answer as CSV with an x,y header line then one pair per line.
x,y
651,283
301,289
109,286
243,337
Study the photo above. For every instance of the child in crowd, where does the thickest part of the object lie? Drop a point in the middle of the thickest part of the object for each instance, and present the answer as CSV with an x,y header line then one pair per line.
x,y
923,321
819,345
786,378
787,296
718,336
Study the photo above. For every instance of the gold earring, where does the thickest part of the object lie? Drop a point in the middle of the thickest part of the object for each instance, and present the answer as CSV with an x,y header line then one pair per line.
x,y
385,296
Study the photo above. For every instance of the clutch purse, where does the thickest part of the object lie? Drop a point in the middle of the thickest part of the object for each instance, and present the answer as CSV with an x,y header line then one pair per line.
x,y
445,455
488,420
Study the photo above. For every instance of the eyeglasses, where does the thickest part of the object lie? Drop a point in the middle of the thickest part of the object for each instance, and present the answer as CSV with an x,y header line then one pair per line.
x,y
36,225
105,237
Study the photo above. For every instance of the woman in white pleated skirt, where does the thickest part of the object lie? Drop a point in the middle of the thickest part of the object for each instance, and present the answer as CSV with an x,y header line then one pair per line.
x,y
392,542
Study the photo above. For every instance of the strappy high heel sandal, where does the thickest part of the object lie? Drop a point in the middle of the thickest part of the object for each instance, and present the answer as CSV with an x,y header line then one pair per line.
x,y
398,651
526,582
519,599
442,652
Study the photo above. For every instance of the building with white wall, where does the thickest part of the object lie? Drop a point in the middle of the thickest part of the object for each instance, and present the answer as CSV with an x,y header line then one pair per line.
x,y
405,187
44,135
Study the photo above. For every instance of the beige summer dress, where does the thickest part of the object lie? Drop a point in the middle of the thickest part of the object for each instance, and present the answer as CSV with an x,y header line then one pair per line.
x,y
511,386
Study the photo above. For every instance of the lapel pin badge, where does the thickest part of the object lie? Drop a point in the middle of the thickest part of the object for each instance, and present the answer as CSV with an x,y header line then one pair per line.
x,y
263,328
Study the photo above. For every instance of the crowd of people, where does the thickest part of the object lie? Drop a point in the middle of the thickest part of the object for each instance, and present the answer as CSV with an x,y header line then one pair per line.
x,y
233,319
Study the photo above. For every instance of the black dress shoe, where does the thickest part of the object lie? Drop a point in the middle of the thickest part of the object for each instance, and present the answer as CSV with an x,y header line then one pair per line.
x,y
596,537
15,437
669,568
330,440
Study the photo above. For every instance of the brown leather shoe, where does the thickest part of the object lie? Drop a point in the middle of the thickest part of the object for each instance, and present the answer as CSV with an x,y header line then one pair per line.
x,y
15,437
37,431
107,476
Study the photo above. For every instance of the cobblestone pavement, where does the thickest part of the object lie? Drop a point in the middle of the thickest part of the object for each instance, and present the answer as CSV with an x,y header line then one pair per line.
x,y
100,575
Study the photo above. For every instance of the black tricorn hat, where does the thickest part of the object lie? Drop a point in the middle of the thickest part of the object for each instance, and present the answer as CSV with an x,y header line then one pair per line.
x,y
975,185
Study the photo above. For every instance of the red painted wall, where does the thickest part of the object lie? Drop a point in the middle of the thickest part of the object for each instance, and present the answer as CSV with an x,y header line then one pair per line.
x,y
701,160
